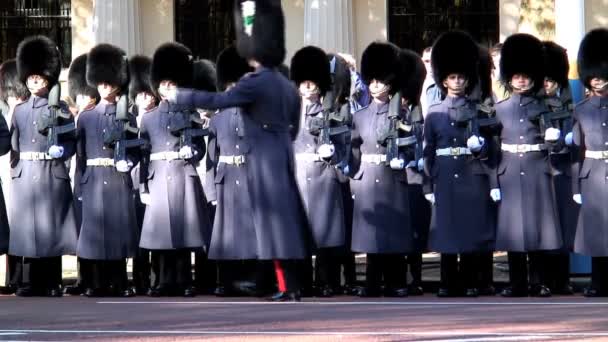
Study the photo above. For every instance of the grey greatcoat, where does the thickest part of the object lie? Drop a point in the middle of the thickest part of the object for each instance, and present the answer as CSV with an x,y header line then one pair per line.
x,y
5,147
42,208
109,225
591,177
272,105
527,213
381,214
320,182
463,220
177,216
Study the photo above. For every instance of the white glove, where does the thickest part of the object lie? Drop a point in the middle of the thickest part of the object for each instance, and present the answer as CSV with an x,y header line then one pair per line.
x,y
568,139
326,151
552,134
475,143
123,166
420,165
55,151
145,198
214,203
397,164
496,195
186,152
577,198
430,198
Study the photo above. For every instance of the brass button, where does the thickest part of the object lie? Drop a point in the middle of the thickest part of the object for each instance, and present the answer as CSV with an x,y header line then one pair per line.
x,y
455,175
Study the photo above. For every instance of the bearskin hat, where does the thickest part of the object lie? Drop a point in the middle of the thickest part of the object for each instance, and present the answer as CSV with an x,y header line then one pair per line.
x,y
260,31
38,55
380,61
522,54
205,75
10,84
230,67
340,74
556,63
455,52
593,56
140,70
411,75
310,64
172,62
77,80
107,64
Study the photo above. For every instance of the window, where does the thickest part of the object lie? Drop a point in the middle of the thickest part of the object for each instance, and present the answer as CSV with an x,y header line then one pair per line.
x,y
415,24
206,27
23,18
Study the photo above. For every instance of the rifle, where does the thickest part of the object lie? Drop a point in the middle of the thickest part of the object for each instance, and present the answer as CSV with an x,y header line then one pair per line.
x,y
391,137
189,125
324,127
561,111
416,121
481,118
49,122
118,137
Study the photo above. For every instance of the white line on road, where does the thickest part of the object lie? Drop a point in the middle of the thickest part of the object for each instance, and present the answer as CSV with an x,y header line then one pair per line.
x,y
413,303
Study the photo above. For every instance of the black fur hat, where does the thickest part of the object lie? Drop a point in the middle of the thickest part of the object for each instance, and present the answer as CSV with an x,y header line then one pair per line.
x,y
485,73
522,54
77,80
230,67
411,75
205,75
556,63
140,70
260,31
10,84
455,52
380,61
38,55
172,62
107,64
310,64
593,56
340,73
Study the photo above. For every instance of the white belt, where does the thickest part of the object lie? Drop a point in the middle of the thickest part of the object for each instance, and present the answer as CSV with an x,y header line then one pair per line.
x,y
596,154
373,158
524,148
232,160
34,156
100,162
308,157
452,151
165,156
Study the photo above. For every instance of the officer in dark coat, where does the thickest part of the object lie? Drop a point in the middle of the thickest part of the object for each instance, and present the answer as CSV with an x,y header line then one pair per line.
x,y
381,215
590,137
454,153
558,99
272,103
176,221
108,234
528,223
41,209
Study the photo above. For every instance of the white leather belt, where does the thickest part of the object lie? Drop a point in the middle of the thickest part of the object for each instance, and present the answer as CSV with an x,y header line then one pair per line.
x,y
170,155
596,154
373,158
232,160
34,156
452,151
107,162
308,157
524,148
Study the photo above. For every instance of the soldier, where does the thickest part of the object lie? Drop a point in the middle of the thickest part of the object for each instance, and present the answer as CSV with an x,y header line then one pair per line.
x,y
176,221
455,151
528,223
589,136
558,99
273,105
381,215
42,208
108,234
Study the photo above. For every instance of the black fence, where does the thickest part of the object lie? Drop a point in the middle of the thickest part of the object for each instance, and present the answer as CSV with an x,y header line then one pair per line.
x,y
22,18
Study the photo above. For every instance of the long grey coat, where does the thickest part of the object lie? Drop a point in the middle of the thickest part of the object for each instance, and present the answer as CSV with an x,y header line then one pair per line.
x,y
527,214
381,214
273,104
42,208
320,183
109,226
177,216
5,147
591,178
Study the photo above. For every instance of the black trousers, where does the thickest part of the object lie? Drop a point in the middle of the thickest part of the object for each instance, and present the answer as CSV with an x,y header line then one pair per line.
x,y
172,268
14,271
104,274
347,258
558,270
387,269
485,262
288,275
414,261
231,271
327,267
264,277
141,270
206,272
41,273
599,275
527,269
459,274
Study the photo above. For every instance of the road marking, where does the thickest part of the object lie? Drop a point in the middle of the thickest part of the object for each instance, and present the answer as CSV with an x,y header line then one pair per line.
x,y
492,339
413,303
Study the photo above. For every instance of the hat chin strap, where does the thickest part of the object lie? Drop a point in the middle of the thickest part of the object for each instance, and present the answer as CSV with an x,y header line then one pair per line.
x,y
523,90
601,87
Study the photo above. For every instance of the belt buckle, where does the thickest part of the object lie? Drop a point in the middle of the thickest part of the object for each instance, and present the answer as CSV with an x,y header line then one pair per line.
x,y
605,154
238,160
455,151
378,159
522,148
34,156
106,162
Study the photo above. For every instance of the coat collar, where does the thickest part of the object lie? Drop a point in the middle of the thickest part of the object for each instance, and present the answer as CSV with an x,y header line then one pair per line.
x,y
522,100
314,108
455,101
599,101
378,108
38,102
106,108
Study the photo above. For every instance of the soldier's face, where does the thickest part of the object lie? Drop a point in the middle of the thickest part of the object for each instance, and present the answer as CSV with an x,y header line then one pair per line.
x,y
308,89
37,85
455,84
84,102
599,86
107,91
144,101
166,88
521,83
379,90
426,59
550,86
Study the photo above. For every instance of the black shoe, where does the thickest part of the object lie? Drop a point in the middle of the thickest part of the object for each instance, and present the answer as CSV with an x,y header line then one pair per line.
x,y
540,291
364,291
511,292
307,291
285,297
73,290
246,288
129,292
446,292
189,292
159,292
487,291
8,290
325,292
90,292
27,291
141,291
220,291
565,290
349,290
55,292
395,293
471,292
415,290
591,292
